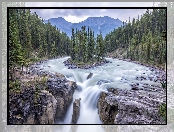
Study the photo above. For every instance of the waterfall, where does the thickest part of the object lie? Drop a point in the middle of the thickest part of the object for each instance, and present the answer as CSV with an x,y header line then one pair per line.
x,y
118,74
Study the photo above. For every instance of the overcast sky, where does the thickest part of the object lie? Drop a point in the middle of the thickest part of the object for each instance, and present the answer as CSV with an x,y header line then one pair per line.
x,y
78,15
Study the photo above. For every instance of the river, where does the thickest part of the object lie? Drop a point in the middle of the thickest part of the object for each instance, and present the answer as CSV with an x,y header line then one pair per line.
x,y
118,74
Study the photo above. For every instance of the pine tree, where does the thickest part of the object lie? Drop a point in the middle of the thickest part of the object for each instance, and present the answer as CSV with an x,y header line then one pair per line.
x,y
73,45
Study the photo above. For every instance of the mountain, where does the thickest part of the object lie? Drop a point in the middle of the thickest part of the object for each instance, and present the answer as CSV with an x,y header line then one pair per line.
x,y
104,24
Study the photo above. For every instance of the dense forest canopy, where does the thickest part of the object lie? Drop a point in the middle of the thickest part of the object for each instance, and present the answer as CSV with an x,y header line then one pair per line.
x,y
142,38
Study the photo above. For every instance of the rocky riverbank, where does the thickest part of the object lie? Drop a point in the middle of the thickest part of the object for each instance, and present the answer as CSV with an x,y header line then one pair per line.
x,y
140,105
71,65
160,72
119,106
43,97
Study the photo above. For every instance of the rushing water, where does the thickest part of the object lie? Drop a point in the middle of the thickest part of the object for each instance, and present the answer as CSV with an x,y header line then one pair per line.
x,y
118,74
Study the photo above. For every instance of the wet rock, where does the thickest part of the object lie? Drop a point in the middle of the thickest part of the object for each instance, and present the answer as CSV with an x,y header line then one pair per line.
x,y
128,60
79,88
135,88
71,66
76,110
103,81
90,75
110,90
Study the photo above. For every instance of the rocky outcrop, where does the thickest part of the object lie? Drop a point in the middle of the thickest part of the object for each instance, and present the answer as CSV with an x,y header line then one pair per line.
x,y
76,110
130,107
62,90
107,111
49,111
43,105
139,108
26,108
59,87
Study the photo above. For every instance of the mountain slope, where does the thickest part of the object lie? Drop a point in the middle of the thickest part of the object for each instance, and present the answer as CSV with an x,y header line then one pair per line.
x,y
104,24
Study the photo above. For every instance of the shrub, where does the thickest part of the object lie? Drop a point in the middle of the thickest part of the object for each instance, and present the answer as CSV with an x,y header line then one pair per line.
x,y
162,111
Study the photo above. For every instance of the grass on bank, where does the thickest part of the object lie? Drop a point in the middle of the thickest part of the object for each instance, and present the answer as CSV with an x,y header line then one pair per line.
x,y
162,111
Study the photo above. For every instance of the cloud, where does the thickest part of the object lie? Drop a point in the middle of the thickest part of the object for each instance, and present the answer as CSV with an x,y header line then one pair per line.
x,y
77,15
75,19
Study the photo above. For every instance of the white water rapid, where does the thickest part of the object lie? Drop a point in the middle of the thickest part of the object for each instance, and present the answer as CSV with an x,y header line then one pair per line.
x,y
118,74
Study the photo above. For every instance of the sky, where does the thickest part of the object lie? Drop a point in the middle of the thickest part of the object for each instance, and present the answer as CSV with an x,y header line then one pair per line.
x,y
78,15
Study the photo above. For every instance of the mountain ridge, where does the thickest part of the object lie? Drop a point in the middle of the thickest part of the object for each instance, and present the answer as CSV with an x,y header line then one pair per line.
x,y
104,24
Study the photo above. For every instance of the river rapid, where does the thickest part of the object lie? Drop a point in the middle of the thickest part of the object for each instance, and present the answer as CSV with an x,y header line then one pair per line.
x,y
118,74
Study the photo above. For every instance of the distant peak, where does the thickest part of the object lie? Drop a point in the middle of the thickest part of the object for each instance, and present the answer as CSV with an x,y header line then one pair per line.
x,y
60,18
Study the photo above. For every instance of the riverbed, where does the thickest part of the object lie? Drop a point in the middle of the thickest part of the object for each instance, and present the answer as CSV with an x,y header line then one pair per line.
x,y
117,74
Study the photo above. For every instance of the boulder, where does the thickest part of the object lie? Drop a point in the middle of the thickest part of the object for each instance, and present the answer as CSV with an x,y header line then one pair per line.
x,y
107,111
90,75
100,82
135,88
76,110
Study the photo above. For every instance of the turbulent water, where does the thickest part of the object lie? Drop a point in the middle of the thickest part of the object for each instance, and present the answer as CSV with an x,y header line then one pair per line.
x,y
118,74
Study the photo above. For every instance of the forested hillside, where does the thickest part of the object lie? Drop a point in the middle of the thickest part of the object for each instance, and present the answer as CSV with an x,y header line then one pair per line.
x,y
141,39
30,38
